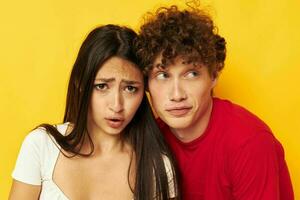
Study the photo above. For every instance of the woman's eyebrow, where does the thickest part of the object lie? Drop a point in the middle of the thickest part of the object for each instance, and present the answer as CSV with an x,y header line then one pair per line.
x,y
130,82
106,80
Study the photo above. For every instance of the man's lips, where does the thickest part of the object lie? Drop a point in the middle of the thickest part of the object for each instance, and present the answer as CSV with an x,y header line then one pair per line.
x,y
179,111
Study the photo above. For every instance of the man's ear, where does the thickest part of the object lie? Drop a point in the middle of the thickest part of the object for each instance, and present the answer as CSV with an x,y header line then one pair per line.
x,y
215,80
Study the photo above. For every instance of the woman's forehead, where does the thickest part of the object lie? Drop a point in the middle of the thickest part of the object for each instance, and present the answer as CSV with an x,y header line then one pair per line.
x,y
119,67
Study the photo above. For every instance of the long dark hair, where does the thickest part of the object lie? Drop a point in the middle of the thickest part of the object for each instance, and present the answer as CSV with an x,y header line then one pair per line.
x,y
142,132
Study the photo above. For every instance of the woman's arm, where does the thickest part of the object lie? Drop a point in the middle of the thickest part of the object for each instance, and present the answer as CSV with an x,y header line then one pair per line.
x,y
24,191
27,172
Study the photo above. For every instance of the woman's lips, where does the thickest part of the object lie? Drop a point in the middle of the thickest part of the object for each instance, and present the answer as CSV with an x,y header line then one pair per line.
x,y
178,111
114,122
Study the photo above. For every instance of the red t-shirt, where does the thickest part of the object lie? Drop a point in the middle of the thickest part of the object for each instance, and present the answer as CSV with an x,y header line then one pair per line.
x,y
236,158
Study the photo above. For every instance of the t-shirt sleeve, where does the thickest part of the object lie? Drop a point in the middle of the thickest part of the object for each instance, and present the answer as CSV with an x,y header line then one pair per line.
x,y
171,175
255,169
285,183
28,164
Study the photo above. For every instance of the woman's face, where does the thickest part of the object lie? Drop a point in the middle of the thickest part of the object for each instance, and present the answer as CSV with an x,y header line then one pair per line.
x,y
117,93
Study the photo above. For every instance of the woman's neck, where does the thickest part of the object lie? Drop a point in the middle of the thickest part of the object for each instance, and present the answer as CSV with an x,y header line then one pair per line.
x,y
105,143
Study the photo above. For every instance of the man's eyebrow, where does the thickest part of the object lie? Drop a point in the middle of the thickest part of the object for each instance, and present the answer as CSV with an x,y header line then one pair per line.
x,y
159,66
193,64
199,66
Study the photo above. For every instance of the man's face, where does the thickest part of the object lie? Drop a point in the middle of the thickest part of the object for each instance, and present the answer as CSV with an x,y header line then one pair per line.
x,y
181,93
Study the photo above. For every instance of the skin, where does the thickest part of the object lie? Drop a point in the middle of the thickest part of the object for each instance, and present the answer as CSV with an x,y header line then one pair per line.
x,y
117,94
183,100
24,191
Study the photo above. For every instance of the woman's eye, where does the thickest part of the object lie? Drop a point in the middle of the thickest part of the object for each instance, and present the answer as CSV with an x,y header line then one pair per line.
x,y
162,76
131,89
192,74
101,86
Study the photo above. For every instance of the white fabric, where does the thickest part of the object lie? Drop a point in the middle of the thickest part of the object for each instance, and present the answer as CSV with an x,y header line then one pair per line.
x,y
36,162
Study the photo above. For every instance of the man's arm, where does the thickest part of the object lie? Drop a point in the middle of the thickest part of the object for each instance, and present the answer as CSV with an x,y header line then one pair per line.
x,y
258,171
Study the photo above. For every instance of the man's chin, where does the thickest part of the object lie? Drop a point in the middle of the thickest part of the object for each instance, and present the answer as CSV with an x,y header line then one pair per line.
x,y
177,123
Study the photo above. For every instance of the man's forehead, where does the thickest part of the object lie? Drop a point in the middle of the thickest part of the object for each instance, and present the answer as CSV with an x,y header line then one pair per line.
x,y
179,60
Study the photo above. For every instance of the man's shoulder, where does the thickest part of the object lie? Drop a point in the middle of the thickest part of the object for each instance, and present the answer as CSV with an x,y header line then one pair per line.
x,y
241,125
238,117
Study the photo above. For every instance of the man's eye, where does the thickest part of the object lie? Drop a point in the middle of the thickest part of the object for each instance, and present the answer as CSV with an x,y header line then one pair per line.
x,y
162,76
131,89
192,74
101,86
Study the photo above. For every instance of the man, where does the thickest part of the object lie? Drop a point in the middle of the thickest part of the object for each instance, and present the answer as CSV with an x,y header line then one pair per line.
x,y
224,152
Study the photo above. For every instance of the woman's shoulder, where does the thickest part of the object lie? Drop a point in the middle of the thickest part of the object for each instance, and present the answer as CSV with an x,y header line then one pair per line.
x,y
37,153
171,176
40,133
64,128
167,161
168,166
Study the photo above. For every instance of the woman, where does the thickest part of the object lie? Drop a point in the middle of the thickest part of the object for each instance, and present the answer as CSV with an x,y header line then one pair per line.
x,y
109,146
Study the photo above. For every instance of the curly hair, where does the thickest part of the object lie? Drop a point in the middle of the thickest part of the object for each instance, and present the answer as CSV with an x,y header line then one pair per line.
x,y
188,33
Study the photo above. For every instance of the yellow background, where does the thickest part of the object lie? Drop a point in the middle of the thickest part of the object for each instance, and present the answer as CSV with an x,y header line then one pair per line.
x,y
40,39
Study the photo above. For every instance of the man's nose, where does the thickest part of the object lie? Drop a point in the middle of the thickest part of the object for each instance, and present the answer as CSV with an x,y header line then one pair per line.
x,y
177,93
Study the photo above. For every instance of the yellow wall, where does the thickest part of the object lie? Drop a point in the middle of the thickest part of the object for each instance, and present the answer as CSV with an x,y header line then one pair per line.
x,y
39,41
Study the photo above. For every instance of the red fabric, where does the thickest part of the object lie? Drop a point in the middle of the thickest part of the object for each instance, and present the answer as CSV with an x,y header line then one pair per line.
x,y
236,158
